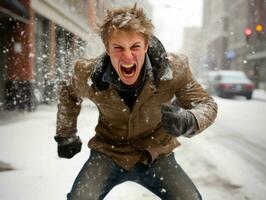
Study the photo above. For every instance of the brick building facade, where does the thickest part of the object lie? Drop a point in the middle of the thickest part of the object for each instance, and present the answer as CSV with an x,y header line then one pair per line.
x,y
36,49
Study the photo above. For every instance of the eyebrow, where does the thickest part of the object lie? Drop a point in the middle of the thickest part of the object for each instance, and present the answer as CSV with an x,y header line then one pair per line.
x,y
136,43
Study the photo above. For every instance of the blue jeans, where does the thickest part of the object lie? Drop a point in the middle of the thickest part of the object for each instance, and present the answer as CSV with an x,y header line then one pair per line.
x,y
164,177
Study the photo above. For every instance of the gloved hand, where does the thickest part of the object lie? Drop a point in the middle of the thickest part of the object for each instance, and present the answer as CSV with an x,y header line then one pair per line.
x,y
68,146
177,121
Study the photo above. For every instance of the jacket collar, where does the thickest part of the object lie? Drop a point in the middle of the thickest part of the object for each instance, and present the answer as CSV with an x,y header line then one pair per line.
x,y
156,64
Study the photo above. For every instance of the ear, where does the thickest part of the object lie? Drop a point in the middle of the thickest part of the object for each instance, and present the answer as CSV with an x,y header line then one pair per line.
x,y
107,51
146,47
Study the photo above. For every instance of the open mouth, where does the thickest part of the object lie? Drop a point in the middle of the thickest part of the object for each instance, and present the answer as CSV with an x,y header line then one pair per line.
x,y
128,70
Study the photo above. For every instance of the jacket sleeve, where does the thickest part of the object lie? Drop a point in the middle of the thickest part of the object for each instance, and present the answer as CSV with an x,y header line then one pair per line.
x,y
70,94
191,96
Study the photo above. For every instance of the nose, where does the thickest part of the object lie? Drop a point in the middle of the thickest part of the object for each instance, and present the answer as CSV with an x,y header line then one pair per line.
x,y
127,55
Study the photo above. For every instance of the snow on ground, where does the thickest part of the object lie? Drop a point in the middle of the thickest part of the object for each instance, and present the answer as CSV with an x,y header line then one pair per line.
x,y
259,94
26,143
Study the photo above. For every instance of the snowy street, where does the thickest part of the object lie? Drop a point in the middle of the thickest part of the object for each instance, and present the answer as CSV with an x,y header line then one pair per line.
x,y
227,161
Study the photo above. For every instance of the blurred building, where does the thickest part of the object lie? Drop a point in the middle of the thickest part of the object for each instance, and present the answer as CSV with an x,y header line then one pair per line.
x,y
235,37
15,69
39,39
215,30
247,39
192,47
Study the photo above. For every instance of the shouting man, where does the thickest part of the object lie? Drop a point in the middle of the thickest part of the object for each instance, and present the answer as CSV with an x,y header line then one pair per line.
x,y
146,99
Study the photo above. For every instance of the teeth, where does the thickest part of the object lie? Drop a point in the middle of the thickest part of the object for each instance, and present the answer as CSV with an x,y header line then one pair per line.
x,y
127,66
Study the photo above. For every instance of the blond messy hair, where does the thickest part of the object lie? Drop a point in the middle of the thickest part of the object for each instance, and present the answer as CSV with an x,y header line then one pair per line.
x,y
125,19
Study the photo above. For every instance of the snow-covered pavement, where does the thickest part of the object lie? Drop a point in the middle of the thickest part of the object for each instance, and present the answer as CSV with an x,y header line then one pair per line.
x,y
259,95
215,161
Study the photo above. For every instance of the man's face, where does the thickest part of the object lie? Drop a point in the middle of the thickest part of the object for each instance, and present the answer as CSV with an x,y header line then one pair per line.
x,y
127,52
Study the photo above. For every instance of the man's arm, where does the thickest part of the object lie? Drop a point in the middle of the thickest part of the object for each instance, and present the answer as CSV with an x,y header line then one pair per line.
x,y
193,110
69,106
70,91
196,100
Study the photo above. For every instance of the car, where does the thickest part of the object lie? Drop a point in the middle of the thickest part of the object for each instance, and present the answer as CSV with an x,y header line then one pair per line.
x,y
209,77
230,83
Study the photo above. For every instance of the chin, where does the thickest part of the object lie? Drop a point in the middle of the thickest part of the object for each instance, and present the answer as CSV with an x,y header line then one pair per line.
x,y
131,83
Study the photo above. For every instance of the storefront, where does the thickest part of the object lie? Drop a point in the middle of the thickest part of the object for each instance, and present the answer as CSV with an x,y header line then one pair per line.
x,y
15,66
36,47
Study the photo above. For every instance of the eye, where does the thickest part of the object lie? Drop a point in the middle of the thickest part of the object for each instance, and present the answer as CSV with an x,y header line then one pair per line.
x,y
117,48
136,47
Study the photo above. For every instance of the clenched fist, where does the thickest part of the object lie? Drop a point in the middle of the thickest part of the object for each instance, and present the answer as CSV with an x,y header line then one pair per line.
x,y
177,121
68,146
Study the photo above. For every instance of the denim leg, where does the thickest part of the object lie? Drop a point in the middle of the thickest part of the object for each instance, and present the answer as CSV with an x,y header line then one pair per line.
x,y
96,178
167,179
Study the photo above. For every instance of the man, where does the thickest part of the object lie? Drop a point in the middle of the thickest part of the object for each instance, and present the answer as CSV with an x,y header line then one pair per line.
x,y
145,99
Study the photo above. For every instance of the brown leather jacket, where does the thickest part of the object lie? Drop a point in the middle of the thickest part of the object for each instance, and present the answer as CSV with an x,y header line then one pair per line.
x,y
131,136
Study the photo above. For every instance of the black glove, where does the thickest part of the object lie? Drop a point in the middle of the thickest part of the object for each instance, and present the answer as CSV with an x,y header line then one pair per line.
x,y
178,121
68,146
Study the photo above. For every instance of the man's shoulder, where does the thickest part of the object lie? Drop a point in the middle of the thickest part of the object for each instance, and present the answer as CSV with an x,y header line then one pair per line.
x,y
178,60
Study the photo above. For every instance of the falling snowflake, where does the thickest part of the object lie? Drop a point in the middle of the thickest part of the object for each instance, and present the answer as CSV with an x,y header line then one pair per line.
x,y
89,82
163,190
